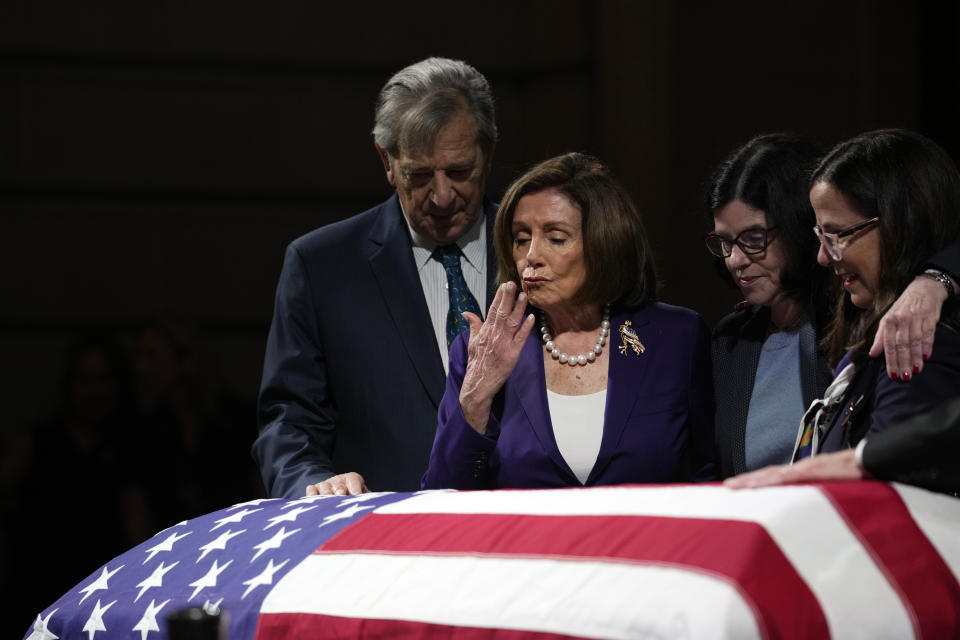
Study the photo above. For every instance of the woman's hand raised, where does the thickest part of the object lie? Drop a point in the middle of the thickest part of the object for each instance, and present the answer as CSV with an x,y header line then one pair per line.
x,y
492,352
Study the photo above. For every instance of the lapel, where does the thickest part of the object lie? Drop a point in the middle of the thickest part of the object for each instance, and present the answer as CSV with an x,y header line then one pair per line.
x,y
531,392
851,417
391,260
625,375
742,372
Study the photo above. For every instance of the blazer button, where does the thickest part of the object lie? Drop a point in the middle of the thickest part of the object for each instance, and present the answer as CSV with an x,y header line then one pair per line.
x,y
479,464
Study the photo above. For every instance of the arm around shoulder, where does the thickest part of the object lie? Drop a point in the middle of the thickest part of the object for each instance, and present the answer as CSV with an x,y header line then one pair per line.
x,y
898,401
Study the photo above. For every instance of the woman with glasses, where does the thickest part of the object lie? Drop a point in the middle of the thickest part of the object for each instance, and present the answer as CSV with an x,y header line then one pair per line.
x,y
767,366
884,202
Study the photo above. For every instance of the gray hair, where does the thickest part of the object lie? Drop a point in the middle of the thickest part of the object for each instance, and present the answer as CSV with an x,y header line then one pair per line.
x,y
420,99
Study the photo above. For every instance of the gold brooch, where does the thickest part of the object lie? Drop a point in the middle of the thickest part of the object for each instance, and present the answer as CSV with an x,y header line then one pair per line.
x,y
629,337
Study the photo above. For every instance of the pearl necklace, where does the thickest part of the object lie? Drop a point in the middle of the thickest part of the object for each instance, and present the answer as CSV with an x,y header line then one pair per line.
x,y
582,358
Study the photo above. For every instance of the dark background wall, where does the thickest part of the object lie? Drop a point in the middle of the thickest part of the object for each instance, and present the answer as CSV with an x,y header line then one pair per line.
x,y
155,158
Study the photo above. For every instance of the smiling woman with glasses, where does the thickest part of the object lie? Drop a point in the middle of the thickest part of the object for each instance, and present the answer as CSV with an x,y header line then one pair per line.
x,y
885,202
767,367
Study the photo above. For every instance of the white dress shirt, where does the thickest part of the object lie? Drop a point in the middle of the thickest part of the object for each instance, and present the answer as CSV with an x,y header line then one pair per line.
x,y
433,277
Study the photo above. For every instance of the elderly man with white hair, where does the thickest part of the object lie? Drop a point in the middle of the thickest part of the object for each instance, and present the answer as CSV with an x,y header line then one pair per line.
x,y
366,307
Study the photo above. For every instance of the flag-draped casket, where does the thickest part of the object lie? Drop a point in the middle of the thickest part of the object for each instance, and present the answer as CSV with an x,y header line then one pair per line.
x,y
841,560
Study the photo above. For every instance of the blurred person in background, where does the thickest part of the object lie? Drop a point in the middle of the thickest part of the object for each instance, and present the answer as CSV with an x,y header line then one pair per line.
x,y
70,498
195,458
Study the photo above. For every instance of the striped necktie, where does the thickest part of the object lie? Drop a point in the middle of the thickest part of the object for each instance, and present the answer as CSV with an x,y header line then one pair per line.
x,y
460,297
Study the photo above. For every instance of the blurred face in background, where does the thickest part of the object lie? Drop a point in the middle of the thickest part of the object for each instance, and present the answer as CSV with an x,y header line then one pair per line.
x,y
93,388
162,367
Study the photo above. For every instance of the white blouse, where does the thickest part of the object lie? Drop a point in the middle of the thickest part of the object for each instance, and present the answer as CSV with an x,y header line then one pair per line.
x,y
578,428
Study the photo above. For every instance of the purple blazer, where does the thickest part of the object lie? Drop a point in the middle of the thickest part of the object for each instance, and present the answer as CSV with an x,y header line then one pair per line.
x,y
657,427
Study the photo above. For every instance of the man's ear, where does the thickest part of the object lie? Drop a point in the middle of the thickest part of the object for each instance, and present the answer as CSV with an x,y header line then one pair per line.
x,y
385,159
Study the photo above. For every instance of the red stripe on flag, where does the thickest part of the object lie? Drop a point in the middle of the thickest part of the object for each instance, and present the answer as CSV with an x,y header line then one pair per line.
x,y
742,553
876,514
283,626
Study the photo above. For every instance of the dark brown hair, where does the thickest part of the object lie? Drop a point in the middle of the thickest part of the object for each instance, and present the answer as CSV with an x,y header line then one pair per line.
x,y
619,262
771,173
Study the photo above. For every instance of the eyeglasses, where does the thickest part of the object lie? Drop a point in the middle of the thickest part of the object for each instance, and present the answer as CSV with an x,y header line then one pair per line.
x,y
750,241
832,241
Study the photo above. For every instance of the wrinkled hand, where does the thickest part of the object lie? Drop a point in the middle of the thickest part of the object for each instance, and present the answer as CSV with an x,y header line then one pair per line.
x,y
492,352
905,333
841,465
345,484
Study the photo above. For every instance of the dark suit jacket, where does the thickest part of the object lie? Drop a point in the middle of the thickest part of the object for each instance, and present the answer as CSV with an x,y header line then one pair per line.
x,y
873,403
948,260
352,375
658,423
737,341
922,451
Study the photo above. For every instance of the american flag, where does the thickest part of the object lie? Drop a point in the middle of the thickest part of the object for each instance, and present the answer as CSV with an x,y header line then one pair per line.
x,y
835,560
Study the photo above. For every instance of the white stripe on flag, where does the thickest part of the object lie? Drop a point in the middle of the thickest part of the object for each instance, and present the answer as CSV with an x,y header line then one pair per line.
x,y
856,598
581,598
941,525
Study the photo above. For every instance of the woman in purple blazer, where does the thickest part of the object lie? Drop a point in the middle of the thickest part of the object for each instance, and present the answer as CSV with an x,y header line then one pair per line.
x,y
611,388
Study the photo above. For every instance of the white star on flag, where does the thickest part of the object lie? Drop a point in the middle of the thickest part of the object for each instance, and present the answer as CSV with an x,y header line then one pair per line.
x,y
98,584
363,497
266,577
220,543
252,503
166,545
237,517
179,524
148,622
305,500
155,579
272,543
349,512
208,580
40,630
95,621
289,516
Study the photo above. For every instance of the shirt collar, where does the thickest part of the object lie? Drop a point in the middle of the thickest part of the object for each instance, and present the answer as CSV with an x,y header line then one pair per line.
x,y
472,244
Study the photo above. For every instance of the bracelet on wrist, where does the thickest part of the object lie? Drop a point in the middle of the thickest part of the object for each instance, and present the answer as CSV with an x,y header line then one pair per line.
x,y
941,277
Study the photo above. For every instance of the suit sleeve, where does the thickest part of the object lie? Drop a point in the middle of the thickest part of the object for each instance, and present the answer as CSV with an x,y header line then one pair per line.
x,y
922,451
948,260
460,458
297,419
702,407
